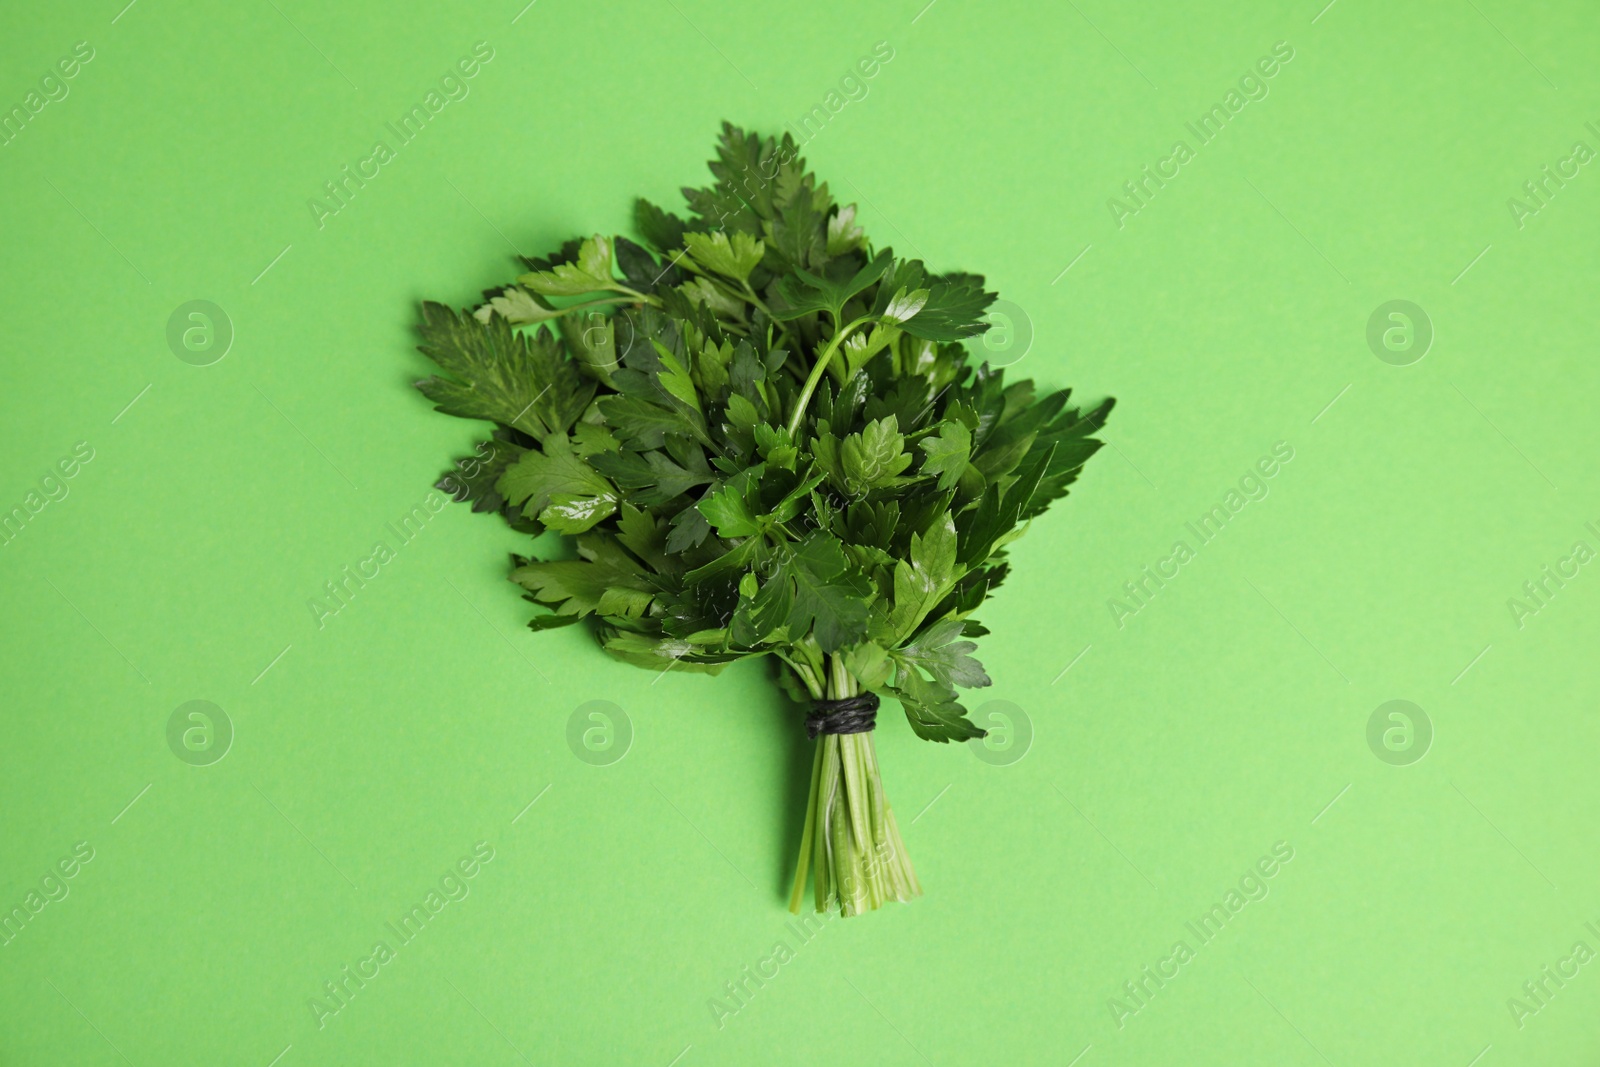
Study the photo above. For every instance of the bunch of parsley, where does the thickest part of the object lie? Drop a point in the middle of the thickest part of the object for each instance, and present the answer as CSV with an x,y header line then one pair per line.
x,y
764,436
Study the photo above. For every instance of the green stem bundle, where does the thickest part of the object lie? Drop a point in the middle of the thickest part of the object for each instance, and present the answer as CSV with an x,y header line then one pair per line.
x,y
850,843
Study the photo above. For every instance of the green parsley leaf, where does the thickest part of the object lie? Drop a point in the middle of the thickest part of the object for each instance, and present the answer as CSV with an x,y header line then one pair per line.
x,y
517,305
947,453
815,591
933,709
945,659
472,480
804,292
514,379
732,510
872,458
922,581
557,487
843,233
734,259
591,273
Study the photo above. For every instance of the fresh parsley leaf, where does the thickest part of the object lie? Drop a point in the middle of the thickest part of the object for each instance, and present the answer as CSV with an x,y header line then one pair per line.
x,y
662,229
815,591
932,708
580,586
945,659
557,487
592,340
472,480
732,510
873,458
517,305
592,272
843,233
804,292
653,477
954,306
947,453
734,258
515,379
921,581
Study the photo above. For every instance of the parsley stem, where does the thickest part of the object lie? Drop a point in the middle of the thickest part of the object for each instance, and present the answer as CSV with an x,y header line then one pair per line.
x,y
803,864
817,372
750,294
635,294
590,304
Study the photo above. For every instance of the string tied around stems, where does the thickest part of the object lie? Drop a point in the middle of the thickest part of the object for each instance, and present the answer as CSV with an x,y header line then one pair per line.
x,y
852,715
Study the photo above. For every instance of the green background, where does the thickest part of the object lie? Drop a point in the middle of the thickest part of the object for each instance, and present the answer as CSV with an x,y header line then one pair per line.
x,y
1228,714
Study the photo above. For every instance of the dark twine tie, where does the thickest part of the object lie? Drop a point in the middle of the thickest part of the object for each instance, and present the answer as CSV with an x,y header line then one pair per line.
x,y
853,715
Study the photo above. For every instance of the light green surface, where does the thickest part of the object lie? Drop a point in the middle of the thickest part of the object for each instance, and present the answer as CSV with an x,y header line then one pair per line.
x,y
1222,718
